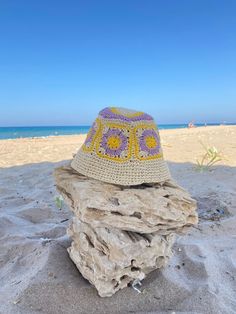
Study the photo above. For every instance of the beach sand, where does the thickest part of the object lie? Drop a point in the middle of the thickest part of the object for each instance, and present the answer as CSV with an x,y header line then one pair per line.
x,y
36,273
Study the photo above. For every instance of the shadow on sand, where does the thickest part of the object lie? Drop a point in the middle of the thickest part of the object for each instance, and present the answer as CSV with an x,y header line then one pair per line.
x,y
37,275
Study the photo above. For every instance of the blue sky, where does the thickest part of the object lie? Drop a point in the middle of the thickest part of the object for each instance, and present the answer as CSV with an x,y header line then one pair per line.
x,y
63,61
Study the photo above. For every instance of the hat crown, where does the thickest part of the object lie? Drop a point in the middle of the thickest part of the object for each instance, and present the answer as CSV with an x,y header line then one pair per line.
x,y
124,114
121,134
124,146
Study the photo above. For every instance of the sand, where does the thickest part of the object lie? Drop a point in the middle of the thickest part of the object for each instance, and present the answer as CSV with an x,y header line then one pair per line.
x,y
36,273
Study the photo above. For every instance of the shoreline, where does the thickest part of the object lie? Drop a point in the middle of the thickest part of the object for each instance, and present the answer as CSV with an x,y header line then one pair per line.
x,y
83,134
179,145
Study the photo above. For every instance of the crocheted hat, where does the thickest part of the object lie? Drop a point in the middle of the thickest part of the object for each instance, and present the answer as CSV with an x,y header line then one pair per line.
x,y
122,147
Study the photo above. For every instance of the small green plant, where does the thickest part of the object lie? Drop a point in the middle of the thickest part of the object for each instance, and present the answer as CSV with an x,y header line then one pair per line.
x,y
59,201
210,157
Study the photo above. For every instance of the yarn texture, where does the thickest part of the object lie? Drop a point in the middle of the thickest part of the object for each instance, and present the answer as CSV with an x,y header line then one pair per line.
x,y
122,147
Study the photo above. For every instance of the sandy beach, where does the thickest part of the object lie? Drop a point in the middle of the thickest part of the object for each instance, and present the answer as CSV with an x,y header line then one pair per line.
x,y
36,273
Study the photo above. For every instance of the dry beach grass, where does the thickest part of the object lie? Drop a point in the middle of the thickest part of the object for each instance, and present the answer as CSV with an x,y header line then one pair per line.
x,y
36,273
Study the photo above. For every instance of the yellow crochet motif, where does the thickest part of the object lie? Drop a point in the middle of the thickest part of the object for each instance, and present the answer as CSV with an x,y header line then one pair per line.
x,y
91,136
113,142
121,141
151,142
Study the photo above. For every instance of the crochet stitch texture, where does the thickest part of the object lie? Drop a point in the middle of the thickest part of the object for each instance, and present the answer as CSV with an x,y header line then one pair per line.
x,y
122,147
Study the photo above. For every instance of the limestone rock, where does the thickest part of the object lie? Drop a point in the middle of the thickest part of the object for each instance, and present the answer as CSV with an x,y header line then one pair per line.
x,y
119,233
111,258
163,208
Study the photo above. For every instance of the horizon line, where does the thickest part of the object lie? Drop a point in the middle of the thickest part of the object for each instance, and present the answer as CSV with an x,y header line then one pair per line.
x,y
87,125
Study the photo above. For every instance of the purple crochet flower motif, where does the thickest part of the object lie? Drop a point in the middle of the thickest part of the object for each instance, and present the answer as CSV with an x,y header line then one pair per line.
x,y
90,135
109,114
114,142
149,142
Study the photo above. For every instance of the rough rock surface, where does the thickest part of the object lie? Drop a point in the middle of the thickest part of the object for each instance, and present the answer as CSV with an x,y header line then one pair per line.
x,y
111,258
162,208
120,234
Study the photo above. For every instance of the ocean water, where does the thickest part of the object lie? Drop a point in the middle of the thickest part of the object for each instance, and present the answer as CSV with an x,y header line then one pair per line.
x,y
43,131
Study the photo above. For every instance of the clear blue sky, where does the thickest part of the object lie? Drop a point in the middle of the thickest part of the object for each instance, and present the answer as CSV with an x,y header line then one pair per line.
x,y
62,61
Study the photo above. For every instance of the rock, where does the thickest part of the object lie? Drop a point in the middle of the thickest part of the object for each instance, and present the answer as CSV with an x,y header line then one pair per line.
x,y
111,258
163,208
119,233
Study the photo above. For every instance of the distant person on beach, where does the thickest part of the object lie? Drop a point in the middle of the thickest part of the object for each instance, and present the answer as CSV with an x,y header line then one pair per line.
x,y
191,125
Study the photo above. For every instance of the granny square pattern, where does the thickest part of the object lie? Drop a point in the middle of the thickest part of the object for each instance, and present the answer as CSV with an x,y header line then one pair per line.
x,y
147,142
122,147
89,142
114,142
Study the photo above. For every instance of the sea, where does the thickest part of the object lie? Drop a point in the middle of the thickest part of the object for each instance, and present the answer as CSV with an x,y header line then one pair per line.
x,y
44,131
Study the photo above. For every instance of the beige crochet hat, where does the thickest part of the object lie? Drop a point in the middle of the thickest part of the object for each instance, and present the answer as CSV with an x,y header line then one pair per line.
x,y
122,147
